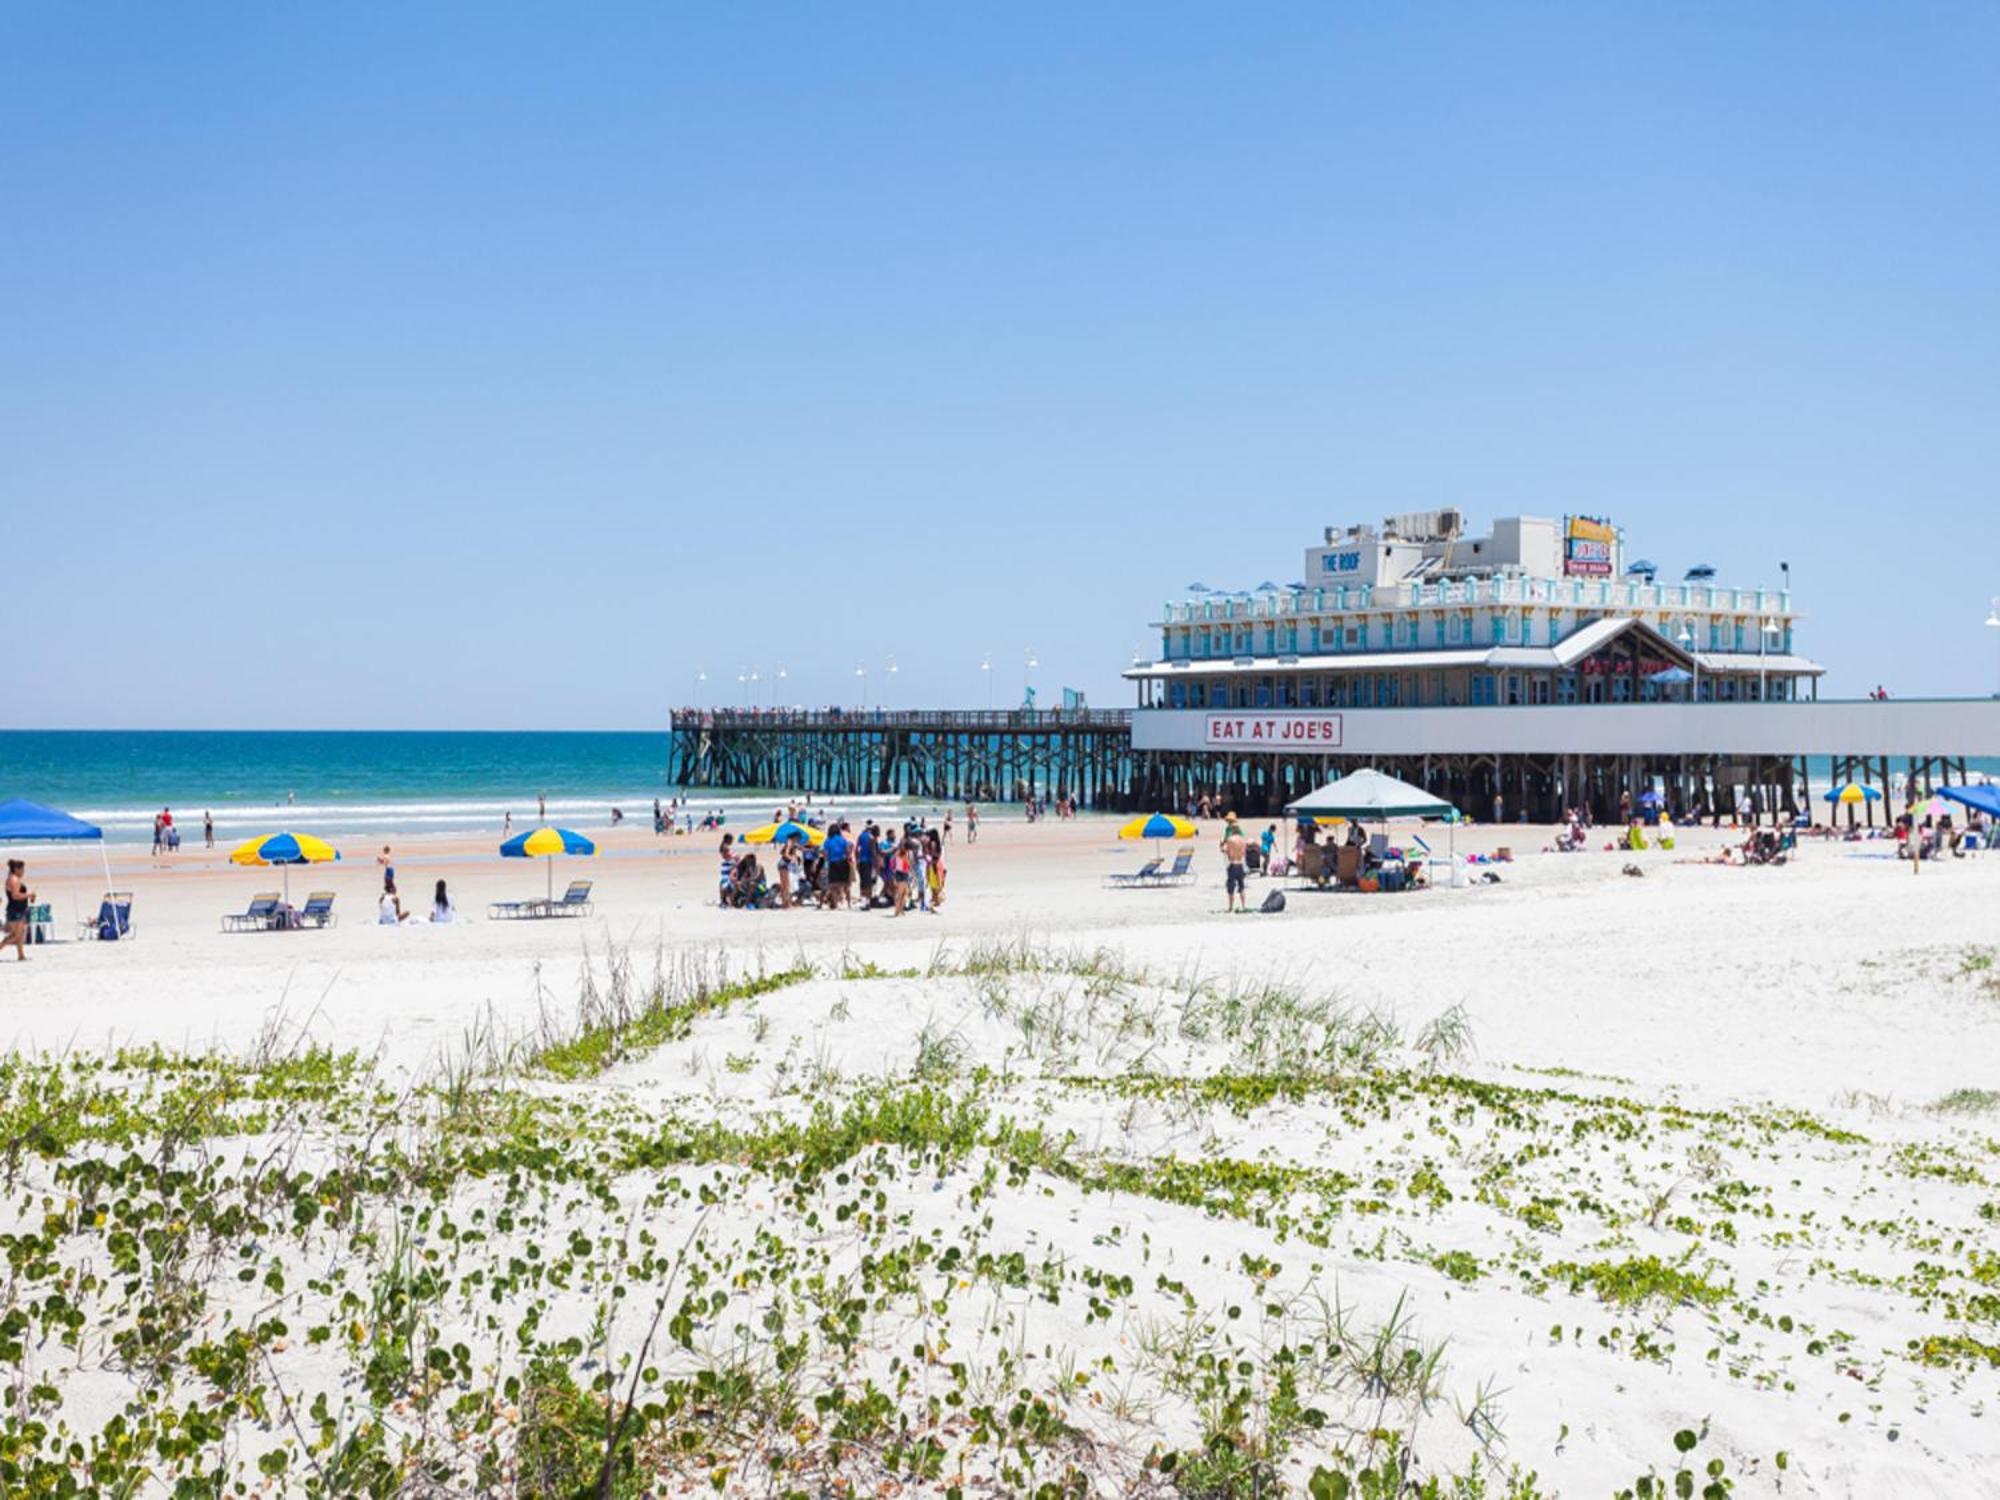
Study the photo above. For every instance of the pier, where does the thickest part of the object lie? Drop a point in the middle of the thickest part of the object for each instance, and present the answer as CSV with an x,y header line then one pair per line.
x,y
1006,755
1510,761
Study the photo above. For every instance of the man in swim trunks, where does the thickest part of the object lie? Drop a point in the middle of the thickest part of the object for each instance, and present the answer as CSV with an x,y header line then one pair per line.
x,y
1236,852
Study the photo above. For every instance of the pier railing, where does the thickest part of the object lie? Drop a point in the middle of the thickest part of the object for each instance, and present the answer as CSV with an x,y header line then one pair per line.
x,y
1016,719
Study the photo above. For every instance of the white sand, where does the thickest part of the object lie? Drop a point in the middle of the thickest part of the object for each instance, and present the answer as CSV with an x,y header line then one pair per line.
x,y
1834,986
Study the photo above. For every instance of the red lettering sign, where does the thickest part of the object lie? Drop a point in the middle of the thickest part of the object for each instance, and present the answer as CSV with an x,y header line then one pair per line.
x,y
1284,730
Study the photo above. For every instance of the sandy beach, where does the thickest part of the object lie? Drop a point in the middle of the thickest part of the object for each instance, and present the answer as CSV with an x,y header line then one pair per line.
x,y
1786,986
1601,1158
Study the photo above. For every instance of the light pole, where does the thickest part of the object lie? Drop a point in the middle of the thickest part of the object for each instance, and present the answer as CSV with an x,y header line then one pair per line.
x,y
1993,624
1027,685
986,667
699,678
1687,643
889,687
1769,629
743,686
777,677
861,671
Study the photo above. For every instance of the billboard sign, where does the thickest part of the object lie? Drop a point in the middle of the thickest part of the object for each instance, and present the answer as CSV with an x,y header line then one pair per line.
x,y
1587,547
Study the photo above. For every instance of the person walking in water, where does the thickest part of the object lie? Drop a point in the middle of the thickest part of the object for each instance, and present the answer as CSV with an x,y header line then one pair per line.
x,y
542,807
208,829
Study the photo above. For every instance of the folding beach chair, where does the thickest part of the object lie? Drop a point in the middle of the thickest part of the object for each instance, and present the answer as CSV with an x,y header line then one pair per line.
x,y
1182,871
1141,876
318,910
113,920
260,916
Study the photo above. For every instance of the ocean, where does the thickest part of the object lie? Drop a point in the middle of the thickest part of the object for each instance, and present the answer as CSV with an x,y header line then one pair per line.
x,y
362,782
354,782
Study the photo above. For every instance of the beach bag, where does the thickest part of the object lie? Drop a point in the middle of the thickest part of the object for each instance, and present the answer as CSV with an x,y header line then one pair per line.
x,y
1275,901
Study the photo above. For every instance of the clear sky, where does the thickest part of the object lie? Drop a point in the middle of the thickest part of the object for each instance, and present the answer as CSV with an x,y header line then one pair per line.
x,y
495,366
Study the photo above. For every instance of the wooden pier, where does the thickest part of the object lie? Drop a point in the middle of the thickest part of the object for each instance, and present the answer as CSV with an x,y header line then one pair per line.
x,y
1005,755
1014,754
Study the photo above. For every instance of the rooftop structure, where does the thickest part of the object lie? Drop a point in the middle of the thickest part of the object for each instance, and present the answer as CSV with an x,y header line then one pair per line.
x,y
1415,613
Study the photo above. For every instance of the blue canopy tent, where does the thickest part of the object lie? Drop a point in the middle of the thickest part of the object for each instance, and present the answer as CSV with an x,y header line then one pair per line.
x,y
24,822
1984,798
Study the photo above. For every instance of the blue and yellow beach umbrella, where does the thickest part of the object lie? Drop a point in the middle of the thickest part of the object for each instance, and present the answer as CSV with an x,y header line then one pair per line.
x,y
1853,792
1158,826
284,850
779,833
546,843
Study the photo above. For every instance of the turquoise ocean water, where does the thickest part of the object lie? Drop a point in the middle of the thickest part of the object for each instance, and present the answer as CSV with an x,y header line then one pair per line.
x,y
407,782
404,782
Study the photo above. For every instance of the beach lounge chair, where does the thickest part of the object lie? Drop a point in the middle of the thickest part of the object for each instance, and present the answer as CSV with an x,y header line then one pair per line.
x,y
575,901
260,916
1180,873
318,910
113,920
1146,872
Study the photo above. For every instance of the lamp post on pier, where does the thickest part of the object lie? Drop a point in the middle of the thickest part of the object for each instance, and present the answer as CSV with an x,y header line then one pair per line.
x,y
1993,624
1687,643
1027,682
861,671
986,667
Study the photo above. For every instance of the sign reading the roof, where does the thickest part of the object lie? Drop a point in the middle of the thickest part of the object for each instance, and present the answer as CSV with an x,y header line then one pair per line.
x,y
1274,731
1587,544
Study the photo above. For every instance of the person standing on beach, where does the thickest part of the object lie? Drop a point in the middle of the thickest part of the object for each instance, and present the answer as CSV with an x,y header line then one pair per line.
x,y
839,865
19,900
542,807
159,833
507,828
1236,853
208,830
388,869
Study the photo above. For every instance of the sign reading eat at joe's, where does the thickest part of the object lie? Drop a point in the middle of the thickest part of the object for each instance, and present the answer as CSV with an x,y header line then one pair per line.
x,y
1318,731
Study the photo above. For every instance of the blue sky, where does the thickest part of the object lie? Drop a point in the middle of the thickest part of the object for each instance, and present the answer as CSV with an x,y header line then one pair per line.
x,y
494,366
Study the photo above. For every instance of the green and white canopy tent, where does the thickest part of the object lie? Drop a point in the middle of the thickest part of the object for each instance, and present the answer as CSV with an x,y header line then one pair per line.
x,y
1370,796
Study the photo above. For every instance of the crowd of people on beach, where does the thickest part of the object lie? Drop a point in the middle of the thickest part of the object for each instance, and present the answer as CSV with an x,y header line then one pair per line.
x,y
877,868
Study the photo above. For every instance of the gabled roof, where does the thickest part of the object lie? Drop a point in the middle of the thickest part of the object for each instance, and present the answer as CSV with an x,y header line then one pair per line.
x,y
1585,639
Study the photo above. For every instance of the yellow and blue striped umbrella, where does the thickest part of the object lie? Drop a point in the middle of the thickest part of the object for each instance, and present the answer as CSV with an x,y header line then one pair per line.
x,y
778,833
284,850
1158,826
547,842
1854,791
